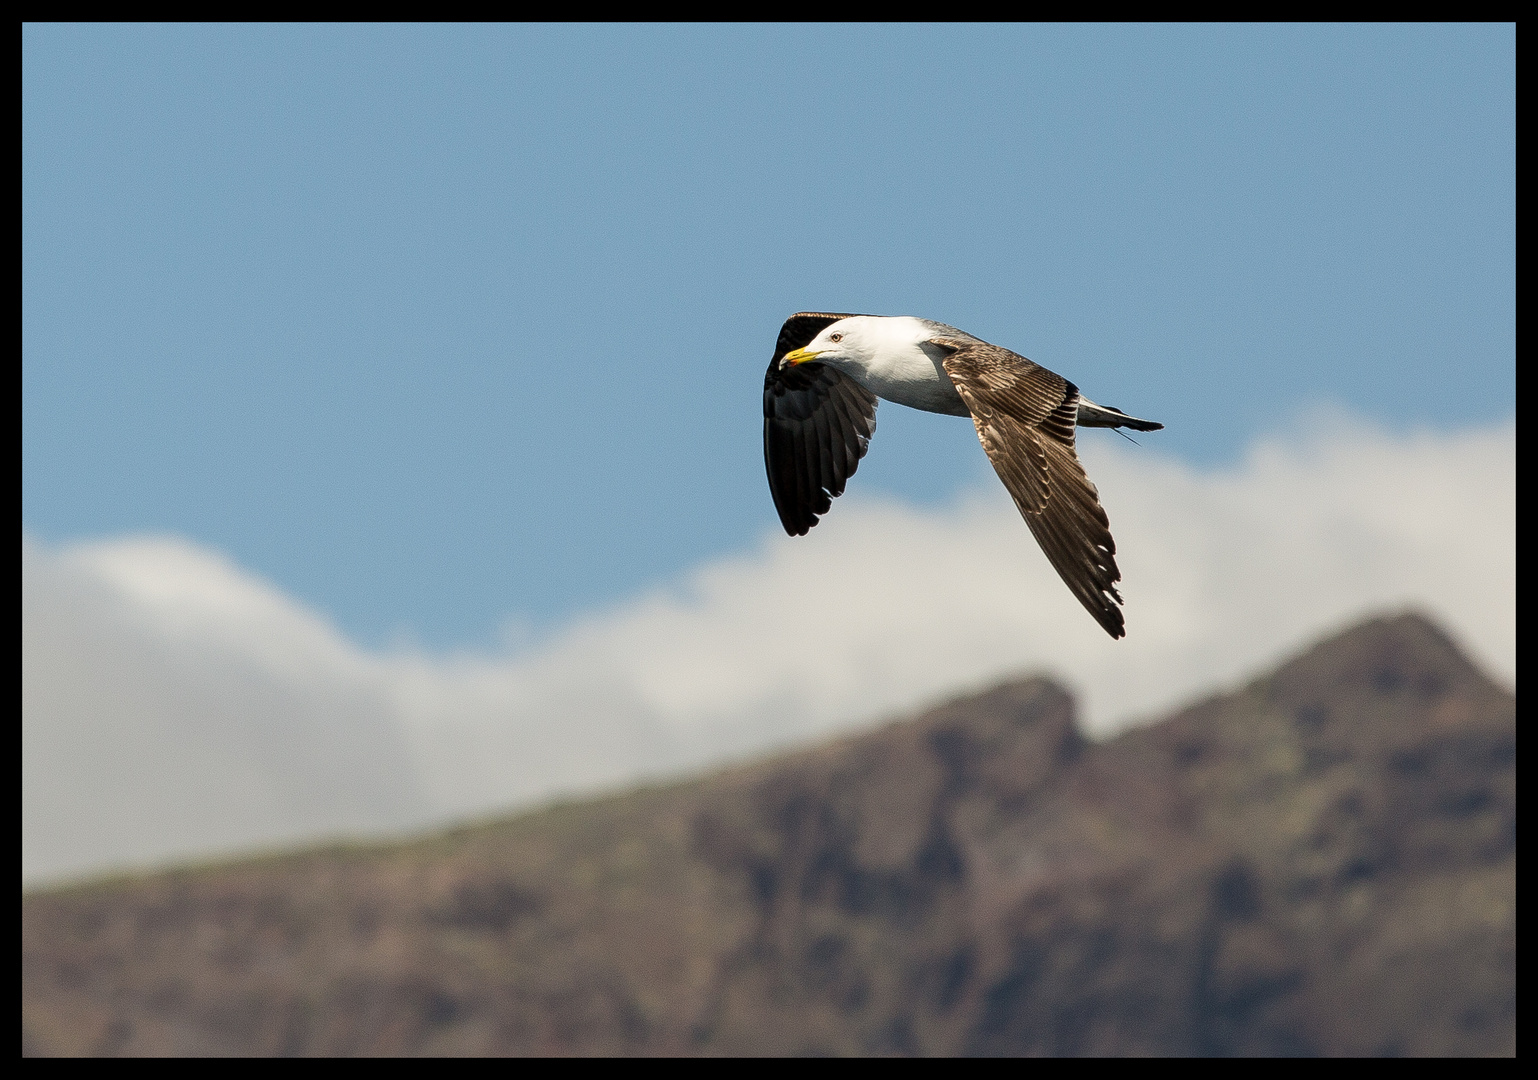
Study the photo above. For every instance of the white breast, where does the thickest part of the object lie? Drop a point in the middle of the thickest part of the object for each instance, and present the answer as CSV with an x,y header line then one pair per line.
x,y
895,365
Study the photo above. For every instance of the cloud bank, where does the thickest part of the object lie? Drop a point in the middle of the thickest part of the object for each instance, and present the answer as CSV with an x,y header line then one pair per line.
x,y
176,706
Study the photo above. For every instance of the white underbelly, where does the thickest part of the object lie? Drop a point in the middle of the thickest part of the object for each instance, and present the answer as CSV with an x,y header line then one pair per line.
x,y
930,391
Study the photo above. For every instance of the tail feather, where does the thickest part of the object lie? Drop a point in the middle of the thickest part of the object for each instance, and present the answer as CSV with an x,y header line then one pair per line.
x,y
1092,415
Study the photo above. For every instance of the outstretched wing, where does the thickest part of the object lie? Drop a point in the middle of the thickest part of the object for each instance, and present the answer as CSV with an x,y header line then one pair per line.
x,y
1025,417
817,426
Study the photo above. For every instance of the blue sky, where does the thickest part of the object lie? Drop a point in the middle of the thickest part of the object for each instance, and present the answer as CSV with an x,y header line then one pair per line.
x,y
437,326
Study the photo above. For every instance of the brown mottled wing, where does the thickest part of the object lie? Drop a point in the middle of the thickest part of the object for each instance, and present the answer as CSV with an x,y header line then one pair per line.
x,y
817,426
1025,417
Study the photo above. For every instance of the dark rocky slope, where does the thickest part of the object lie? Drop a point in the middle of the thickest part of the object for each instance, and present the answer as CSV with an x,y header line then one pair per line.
x,y
1321,863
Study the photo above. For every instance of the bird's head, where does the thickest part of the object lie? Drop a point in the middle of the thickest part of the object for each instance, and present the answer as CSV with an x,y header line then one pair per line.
x,y
841,343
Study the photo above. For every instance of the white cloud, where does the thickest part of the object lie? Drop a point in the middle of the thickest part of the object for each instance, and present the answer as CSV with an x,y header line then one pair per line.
x,y
174,705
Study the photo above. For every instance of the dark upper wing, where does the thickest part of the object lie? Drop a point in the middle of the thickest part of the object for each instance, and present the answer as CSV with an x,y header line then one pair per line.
x,y
817,425
1025,417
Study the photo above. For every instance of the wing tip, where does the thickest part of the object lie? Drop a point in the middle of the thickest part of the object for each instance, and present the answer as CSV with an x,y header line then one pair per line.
x,y
1107,614
1111,620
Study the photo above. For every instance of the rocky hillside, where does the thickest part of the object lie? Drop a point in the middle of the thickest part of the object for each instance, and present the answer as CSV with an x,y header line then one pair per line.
x,y
1320,863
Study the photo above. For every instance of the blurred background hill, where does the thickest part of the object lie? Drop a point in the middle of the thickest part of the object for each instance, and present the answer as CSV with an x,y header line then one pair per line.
x,y
1321,862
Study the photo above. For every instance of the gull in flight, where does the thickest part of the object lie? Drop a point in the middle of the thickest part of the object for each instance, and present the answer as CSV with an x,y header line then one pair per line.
x,y
820,411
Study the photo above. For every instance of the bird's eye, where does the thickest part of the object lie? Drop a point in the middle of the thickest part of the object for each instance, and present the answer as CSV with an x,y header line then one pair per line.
x,y
837,337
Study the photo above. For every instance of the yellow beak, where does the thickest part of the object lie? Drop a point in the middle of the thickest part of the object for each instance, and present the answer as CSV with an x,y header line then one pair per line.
x,y
800,356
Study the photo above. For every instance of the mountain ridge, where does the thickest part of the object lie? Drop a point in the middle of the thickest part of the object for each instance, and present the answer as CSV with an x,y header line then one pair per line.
x,y
1321,861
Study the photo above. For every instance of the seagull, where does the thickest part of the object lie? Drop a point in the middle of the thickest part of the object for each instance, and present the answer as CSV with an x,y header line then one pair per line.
x,y
820,398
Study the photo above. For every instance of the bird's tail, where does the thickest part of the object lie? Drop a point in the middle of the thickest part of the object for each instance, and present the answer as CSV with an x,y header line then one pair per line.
x,y
1092,415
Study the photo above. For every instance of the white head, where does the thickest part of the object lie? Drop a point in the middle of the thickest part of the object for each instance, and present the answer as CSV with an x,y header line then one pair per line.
x,y
862,342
